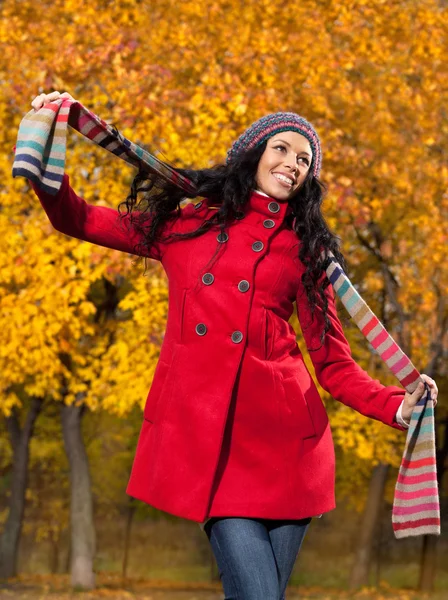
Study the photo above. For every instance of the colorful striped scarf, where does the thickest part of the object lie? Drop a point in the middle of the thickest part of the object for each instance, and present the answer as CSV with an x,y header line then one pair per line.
x,y
42,143
416,509
40,157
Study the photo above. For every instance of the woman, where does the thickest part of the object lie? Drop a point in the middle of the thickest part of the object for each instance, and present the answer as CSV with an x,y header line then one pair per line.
x,y
235,434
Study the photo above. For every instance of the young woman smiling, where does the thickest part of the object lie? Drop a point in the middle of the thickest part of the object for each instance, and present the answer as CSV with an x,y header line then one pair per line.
x,y
235,435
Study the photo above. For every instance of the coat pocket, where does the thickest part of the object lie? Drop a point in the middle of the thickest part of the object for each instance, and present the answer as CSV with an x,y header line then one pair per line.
x,y
298,408
156,391
268,334
182,315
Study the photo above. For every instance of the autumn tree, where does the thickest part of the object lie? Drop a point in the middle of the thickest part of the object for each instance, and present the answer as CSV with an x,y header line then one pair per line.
x,y
185,79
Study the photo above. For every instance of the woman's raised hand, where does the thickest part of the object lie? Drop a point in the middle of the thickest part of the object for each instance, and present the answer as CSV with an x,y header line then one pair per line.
x,y
410,400
43,99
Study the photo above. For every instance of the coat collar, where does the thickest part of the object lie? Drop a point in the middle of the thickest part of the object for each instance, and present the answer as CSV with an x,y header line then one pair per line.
x,y
268,206
261,204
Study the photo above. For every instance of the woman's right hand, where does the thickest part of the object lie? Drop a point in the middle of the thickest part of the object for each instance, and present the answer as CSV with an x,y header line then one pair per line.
x,y
43,99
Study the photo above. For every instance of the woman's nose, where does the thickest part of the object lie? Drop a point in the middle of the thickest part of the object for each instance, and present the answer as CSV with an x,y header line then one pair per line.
x,y
290,165
290,161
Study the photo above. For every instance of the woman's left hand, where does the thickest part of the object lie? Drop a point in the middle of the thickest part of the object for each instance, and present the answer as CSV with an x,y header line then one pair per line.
x,y
410,400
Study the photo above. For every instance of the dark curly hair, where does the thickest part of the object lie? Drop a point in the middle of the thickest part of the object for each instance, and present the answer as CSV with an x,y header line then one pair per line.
x,y
229,187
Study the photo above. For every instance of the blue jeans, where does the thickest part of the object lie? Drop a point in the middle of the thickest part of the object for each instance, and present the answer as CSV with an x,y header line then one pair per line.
x,y
255,557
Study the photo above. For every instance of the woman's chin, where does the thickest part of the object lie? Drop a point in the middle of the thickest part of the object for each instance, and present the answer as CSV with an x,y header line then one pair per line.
x,y
279,194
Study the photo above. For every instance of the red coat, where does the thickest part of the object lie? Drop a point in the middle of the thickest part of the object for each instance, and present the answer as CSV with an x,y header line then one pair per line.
x,y
233,423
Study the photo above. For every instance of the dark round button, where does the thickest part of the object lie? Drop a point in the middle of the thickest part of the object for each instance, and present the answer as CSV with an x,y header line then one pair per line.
x,y
198,205
237,337
239,215
268,223
257,246
274,207
201,329
243,285
222,237
208,278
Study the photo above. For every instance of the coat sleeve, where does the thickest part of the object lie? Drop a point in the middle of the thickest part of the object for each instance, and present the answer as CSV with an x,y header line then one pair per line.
x,y
70,214
336,370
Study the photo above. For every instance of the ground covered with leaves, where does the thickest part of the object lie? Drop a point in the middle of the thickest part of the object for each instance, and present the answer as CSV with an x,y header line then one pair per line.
x,y
114,588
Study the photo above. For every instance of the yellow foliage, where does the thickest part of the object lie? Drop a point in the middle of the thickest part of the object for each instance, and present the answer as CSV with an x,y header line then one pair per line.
x,y
185,79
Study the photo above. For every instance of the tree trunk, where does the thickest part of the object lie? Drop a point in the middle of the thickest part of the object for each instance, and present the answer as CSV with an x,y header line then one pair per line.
x,y
430,542
369,526
214,571
68,557
20,442
127,535
428,563
54,554
81,501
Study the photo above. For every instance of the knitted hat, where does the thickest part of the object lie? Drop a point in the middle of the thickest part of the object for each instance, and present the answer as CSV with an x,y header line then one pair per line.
x,y
274,123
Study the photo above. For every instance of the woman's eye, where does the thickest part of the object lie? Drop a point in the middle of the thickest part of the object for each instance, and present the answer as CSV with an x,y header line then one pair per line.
x,y
279,147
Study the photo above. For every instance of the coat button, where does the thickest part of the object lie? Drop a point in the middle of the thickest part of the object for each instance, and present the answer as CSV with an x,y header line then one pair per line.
x,y
243,285
208,278
222,237
198,205
237,337
257,246
201,329
239,215
274,207
268,223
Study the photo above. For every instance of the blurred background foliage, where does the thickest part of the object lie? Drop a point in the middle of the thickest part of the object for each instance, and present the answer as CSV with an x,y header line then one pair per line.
x,y
81,326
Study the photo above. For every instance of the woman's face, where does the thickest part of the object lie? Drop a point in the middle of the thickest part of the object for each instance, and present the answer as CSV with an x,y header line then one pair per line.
x,y
283,165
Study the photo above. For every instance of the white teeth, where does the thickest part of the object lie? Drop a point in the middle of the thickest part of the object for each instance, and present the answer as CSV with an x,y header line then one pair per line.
x,y
283,178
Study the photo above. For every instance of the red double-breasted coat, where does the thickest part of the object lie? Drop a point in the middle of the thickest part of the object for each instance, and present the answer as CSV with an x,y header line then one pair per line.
x,y
233,423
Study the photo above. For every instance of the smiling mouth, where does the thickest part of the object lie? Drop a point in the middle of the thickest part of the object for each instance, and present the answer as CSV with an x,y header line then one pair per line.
x,y
283,180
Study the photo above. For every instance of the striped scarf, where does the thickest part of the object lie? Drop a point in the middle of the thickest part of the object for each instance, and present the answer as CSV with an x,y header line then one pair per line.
x,y
40,157
416,509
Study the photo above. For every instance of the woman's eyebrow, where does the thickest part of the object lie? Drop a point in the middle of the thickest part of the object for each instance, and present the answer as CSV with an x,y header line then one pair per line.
x,y
288,144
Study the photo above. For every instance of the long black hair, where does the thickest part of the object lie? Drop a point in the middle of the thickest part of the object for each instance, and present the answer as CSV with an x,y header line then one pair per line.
x,y
152,202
